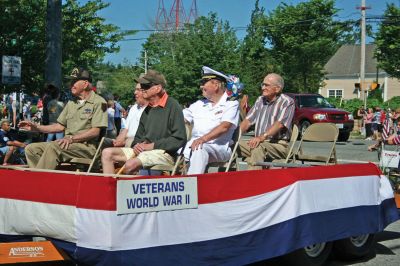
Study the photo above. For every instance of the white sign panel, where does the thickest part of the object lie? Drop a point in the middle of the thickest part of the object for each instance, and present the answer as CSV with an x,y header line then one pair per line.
x,y
150,195
11,70
390,159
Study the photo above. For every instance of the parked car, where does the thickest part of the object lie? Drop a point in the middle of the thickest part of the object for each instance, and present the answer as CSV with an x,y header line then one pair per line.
x,y
314,108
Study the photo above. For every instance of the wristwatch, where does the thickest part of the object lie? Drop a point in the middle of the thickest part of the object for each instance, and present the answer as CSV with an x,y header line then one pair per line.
x,y
266,136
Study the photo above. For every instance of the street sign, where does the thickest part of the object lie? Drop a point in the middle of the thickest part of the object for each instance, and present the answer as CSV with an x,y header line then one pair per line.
x,y
11,70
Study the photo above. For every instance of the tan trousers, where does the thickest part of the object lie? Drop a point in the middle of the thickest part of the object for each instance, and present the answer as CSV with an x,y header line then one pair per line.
x,y
265,151
47,155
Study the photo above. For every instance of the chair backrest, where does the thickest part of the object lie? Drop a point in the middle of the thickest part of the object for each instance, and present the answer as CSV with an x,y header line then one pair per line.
x,y
319,132
293,139
236,137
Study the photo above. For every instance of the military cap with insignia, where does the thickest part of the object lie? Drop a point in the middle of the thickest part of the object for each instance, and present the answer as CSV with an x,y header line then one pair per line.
x,y
152,77
209,74
80,74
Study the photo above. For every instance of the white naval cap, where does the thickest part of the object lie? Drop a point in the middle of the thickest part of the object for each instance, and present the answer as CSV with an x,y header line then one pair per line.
x,y
209,73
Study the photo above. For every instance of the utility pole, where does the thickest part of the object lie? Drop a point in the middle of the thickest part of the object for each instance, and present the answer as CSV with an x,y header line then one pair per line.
x,y
362,55
53,47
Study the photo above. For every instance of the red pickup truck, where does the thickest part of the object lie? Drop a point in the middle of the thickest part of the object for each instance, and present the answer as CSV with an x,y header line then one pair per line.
x,y
314,108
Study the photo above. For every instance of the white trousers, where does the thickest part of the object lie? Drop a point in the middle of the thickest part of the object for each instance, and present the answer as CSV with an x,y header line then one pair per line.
x,y
198,159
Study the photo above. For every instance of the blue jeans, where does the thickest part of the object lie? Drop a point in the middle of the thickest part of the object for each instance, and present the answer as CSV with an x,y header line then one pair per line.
x,y
50,136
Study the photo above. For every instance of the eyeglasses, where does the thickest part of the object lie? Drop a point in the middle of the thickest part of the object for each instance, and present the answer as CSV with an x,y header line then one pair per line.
x,y
266,85
145,87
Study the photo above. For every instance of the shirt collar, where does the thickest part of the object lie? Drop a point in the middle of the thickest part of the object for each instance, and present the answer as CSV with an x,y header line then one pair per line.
x,y
266,101
162,102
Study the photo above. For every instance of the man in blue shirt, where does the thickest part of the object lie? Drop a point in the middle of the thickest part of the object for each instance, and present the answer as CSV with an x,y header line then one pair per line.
x,y
7,143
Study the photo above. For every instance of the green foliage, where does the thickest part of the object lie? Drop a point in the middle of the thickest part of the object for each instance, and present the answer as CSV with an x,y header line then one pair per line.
x,y
303,38
118,80
393,103
22,33
388,42
180,55
255,57
86,37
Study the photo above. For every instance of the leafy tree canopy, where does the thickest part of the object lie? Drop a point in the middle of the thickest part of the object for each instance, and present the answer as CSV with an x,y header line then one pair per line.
x,y
86,37
303,38
388,42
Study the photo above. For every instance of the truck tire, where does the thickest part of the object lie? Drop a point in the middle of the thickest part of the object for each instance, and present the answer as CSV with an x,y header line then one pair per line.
x,y
344,136
313,255
354,247
303,126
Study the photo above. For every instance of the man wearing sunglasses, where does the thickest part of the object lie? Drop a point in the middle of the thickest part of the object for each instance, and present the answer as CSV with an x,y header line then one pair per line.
x,y
214,120
161,130
83,119
272,115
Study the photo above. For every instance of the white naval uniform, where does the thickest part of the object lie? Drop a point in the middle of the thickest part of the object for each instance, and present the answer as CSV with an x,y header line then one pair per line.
x,y
206,117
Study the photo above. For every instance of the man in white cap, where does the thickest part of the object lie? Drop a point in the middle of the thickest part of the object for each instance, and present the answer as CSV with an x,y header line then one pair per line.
x,y
214,120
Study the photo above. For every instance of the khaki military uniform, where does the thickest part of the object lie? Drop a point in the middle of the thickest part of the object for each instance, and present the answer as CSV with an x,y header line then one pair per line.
x,y
76,118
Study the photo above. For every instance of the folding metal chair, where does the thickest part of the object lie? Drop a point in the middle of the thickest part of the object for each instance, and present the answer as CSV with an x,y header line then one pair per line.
x,y
237,134
289,160
318,132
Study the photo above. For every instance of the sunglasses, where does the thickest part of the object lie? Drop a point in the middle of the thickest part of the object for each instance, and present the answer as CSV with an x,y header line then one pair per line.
x,y
147,86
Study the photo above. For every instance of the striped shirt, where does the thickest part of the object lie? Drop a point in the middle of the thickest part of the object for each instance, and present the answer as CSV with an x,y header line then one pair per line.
x,y
264,114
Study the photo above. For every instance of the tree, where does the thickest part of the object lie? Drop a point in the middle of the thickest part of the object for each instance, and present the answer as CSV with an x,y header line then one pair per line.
x,y
86,37
303,38
180,55
388,42
19,38
256,61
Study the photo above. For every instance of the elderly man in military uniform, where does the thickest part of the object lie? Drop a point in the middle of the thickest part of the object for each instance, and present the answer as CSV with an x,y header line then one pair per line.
x,y
214,120
83,120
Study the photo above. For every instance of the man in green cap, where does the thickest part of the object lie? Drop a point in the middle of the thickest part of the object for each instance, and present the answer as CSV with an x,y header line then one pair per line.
x,y
83,119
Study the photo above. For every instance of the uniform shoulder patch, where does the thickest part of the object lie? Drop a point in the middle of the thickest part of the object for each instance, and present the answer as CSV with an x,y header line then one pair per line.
x,y
104,107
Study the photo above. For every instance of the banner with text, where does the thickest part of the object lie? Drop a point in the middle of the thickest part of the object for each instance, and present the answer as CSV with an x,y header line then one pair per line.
x,y
149,195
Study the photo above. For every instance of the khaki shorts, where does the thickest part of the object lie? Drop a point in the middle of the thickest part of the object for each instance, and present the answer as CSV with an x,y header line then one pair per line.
x,y
150,158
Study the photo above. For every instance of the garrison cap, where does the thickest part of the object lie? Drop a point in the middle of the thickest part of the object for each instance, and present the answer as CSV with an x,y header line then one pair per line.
x,y
80,74
152,77
209,73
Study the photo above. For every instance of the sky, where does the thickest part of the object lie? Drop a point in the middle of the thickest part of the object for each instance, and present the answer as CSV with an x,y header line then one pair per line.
x,y
141,15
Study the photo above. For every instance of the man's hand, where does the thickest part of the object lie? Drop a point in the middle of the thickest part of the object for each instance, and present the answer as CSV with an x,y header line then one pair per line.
x,y
118,143
141,147
28,125
65,142
254,142
197,144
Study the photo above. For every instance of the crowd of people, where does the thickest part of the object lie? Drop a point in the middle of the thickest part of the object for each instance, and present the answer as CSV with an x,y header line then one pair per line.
x,y
372,125
153,130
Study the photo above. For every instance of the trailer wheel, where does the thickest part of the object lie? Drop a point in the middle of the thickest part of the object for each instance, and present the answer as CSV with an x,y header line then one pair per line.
x,y
313,255
354,247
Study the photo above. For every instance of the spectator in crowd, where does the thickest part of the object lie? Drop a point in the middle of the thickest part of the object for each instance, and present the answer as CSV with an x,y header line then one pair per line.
x,y
214,120
54,109
117,115
46,98
368,117
376,122
161,130
83,119
121,150
7,143
15,108
272,115
26,111
111,131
